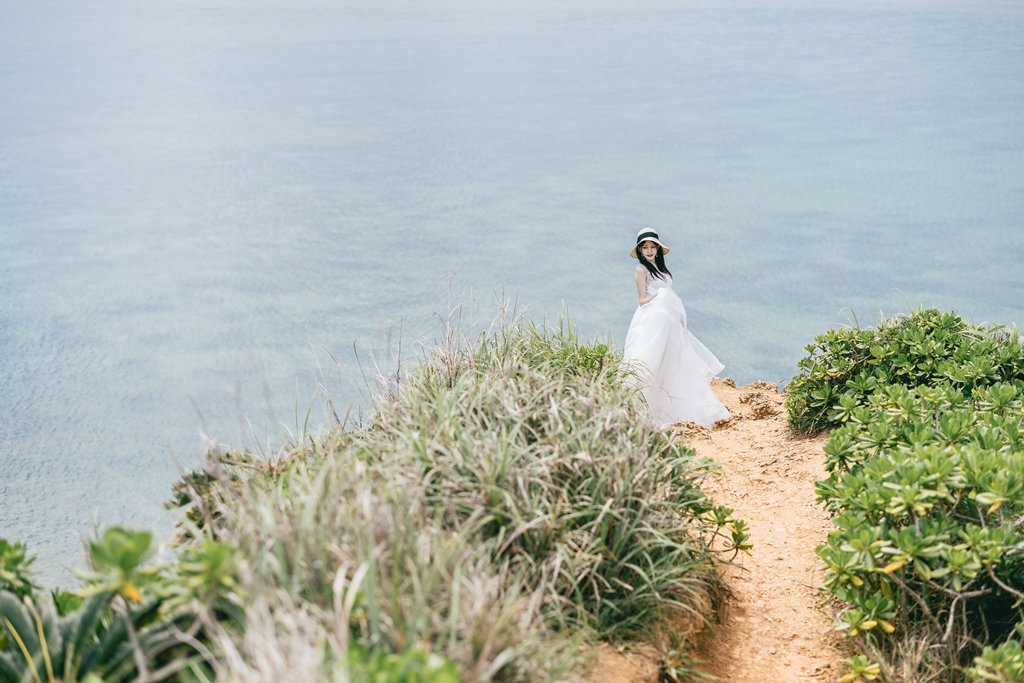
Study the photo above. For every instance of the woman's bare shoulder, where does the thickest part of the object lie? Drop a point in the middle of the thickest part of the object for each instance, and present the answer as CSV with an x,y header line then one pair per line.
x,y
640,269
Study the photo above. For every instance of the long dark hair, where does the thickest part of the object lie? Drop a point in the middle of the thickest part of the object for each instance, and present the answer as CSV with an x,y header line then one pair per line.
x,y
658,267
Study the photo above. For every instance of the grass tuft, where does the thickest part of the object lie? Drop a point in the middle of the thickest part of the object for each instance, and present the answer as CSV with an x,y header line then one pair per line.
x,y
507,507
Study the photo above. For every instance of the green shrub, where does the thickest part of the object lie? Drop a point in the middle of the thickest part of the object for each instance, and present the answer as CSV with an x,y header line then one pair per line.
x,y
1003,664
115,634
412,666
926,483
15,568
925,348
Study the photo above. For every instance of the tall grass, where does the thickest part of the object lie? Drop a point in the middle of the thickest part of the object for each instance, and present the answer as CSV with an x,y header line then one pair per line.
x,y
354,551
534,441
508,505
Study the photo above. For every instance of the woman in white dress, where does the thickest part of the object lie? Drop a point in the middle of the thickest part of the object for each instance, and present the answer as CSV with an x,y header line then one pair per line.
x,y
674,369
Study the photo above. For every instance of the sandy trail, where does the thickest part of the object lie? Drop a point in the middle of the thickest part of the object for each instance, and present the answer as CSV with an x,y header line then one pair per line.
x,y
773,628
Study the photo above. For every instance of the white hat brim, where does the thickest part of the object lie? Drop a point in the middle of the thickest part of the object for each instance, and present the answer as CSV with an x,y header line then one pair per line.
x,y
664,249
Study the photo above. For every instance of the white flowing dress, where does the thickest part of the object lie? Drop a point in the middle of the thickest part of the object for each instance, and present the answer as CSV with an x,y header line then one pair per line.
x,y
674,368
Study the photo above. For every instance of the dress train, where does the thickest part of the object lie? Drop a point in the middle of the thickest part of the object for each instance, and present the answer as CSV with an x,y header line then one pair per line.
x,y
674,368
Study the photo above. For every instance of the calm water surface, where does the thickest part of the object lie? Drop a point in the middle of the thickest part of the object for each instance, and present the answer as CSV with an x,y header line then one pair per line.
x,y
204,204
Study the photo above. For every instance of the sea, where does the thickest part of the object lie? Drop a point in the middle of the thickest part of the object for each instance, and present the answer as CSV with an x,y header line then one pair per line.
x,y
222,220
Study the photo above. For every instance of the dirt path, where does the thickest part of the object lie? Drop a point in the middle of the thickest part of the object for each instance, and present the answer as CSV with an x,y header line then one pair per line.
x,y
773,629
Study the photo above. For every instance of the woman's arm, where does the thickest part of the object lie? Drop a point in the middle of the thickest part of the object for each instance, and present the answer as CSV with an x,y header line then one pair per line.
x,y
642,276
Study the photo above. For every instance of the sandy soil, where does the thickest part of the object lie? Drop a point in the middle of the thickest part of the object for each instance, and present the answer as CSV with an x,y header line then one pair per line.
x,y
772,629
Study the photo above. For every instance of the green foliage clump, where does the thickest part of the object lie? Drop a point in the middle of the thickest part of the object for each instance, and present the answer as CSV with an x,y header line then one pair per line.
x,y
1002,664
925,482
925,348
108,632
413,666
15,568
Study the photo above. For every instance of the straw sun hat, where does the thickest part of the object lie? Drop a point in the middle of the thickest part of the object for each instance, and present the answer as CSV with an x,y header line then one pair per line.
x,y
647,234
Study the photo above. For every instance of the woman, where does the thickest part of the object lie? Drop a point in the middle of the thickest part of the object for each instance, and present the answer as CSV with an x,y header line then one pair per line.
x,y
675,369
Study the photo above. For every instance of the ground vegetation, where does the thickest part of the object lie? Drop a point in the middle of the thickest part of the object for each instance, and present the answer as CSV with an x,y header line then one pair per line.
x,y
507,507
925,484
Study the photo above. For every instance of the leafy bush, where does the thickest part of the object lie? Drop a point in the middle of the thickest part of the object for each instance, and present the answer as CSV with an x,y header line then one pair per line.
x,y
114,634
926,485
413,666
1003,664
925,348
15,568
